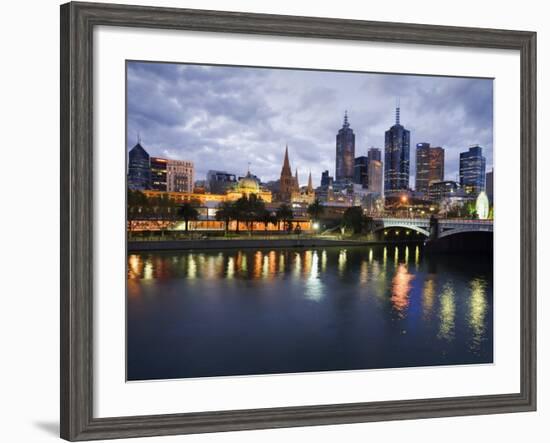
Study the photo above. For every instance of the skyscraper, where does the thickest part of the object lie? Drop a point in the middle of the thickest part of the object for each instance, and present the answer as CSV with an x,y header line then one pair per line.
x,y
139,168
326,179
472,170
430,166
159,174
396,157
345,152
374,154
360,173
375,176
287,184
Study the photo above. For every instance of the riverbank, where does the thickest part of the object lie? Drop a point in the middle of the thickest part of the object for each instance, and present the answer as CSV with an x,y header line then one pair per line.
x,y
177,245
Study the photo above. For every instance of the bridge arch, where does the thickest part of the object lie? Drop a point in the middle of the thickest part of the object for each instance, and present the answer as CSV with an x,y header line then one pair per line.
x,y
464,229
415,228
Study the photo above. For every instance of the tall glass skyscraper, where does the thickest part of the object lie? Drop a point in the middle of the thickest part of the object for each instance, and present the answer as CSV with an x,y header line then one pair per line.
x,y
396,157
472,170
430,166
139,168
345,152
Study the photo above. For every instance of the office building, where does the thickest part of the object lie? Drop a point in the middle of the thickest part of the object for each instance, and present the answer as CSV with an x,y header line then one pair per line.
x,y
180,176
139,168
472,171
396,157
345,152
430,166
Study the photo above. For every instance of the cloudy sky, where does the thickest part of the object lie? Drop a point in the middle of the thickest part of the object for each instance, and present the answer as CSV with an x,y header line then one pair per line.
x,y
225,117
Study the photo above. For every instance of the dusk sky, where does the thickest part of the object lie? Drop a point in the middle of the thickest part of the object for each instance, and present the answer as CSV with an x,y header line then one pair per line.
x,y
225,117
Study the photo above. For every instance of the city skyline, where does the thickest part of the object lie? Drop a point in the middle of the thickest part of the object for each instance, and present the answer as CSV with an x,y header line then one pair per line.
x,y
196,113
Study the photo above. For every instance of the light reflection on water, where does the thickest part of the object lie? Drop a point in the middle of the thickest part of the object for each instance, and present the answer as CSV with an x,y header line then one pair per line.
x,y
376,307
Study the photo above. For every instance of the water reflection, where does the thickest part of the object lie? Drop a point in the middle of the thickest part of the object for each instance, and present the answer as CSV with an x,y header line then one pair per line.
x,y
337,304
477,312
447,313
401,285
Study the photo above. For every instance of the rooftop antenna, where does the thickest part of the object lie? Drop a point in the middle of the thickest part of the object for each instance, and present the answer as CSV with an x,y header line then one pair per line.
x,y
397,111
346,123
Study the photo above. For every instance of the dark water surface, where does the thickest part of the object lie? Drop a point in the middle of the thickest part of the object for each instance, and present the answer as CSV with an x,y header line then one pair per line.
x,y
236,312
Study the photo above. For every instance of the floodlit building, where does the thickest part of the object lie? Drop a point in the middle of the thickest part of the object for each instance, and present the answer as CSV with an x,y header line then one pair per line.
x,y
180,176
139,168
345,152
430,166
159,173
396,157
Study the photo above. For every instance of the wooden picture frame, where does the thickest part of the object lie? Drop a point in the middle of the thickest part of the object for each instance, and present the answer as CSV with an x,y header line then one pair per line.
x,y
77,218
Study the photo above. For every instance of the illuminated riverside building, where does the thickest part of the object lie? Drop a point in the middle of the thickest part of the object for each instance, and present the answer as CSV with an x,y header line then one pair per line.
x,y
472,170
139,168
345,152
441,190
158,173
375,176
430,166
396,157
305,195
180,175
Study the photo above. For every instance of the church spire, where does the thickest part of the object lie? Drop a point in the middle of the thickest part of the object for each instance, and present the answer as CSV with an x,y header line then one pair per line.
x,y
286,171
296,178
309,184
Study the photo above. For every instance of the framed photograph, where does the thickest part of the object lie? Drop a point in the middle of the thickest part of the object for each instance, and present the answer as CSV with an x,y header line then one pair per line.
x,y
272,221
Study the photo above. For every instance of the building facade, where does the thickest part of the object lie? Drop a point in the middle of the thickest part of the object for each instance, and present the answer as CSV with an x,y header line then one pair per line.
x,y
159,173
345,152
430,166
220,181
360,174
440,190
374,154
139,168
472,170
375,177
396,157
180,176
326,179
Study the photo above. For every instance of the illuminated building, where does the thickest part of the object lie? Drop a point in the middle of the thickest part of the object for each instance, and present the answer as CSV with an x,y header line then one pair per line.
x,y
306,194
441,190
345,152
396,157
374,154
246,186
139,168
375,175
180,176
287,183
158,173
472,170
430,166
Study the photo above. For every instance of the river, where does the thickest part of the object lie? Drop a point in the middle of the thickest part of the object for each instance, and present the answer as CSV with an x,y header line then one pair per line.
x,y
241,312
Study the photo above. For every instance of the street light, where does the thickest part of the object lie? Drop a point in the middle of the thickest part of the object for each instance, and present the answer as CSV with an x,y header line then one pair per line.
x,y
316,226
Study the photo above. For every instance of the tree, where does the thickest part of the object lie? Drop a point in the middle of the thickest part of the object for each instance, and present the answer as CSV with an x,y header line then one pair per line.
x,y
285,214
188,212
354,219
225,212
267,217
137,207
315,210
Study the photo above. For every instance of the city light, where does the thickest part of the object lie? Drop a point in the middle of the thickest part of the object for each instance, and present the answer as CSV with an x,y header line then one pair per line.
x,y
315,226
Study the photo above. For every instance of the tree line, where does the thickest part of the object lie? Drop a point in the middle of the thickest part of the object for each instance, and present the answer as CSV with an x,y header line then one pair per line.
x,y
247,210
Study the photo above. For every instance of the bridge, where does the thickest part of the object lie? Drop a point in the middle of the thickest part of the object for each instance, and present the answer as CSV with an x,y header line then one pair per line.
x,y
434,228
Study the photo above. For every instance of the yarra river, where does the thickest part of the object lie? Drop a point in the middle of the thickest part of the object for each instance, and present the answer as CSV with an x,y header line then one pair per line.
x,y
264,311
